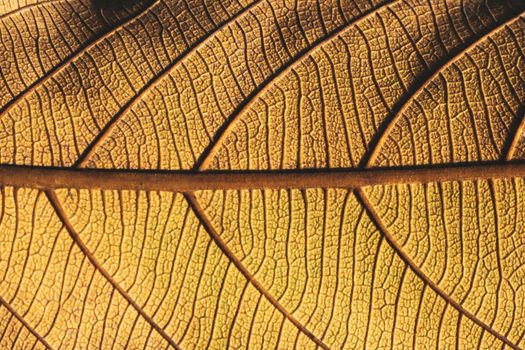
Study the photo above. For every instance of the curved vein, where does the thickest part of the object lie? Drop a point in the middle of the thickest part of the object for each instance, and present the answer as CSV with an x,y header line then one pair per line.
x,y
55,203
514,141
26,7
9,308
361,197
71,58
380,138
375,149
101,136
199,212
207,155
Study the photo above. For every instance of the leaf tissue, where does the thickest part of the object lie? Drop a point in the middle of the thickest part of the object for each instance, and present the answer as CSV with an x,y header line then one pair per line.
x,y
262,174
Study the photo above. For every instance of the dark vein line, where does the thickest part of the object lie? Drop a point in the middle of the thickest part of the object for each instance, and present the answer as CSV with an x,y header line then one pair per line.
x,y
380,138
24,323
208,153
72,57
101,136
189,181
156,181
88,152
512,143
199,212
55,203
26,7
207,156
376,146
361,197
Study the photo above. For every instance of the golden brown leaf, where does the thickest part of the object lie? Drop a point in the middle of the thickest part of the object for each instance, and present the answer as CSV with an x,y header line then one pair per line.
x,y
262,174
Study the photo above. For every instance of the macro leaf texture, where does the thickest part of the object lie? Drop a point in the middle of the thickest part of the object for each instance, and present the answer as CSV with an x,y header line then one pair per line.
x,y
262,174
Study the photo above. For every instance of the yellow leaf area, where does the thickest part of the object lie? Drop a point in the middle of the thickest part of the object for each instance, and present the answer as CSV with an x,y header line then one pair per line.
x,y
262,174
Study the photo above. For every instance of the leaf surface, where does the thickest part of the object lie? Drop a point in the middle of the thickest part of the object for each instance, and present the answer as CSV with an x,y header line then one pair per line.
x,y
205,220
40,36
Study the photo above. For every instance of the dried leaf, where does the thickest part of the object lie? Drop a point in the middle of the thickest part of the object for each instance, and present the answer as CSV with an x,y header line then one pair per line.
x,y
247,174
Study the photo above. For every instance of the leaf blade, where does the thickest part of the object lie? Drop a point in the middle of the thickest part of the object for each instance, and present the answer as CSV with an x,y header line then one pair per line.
x,y
280,257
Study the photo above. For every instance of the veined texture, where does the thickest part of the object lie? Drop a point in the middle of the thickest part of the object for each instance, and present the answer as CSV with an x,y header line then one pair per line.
x,y
118,101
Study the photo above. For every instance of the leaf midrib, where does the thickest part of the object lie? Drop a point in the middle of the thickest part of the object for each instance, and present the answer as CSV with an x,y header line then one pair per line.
x,y
300,179
46,178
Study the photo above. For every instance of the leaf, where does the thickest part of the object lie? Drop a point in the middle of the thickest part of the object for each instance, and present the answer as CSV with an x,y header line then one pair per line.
x,y
39,37
262,174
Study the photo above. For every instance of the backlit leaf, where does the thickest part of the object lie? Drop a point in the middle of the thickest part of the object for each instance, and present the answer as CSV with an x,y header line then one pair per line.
x,y
187,174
